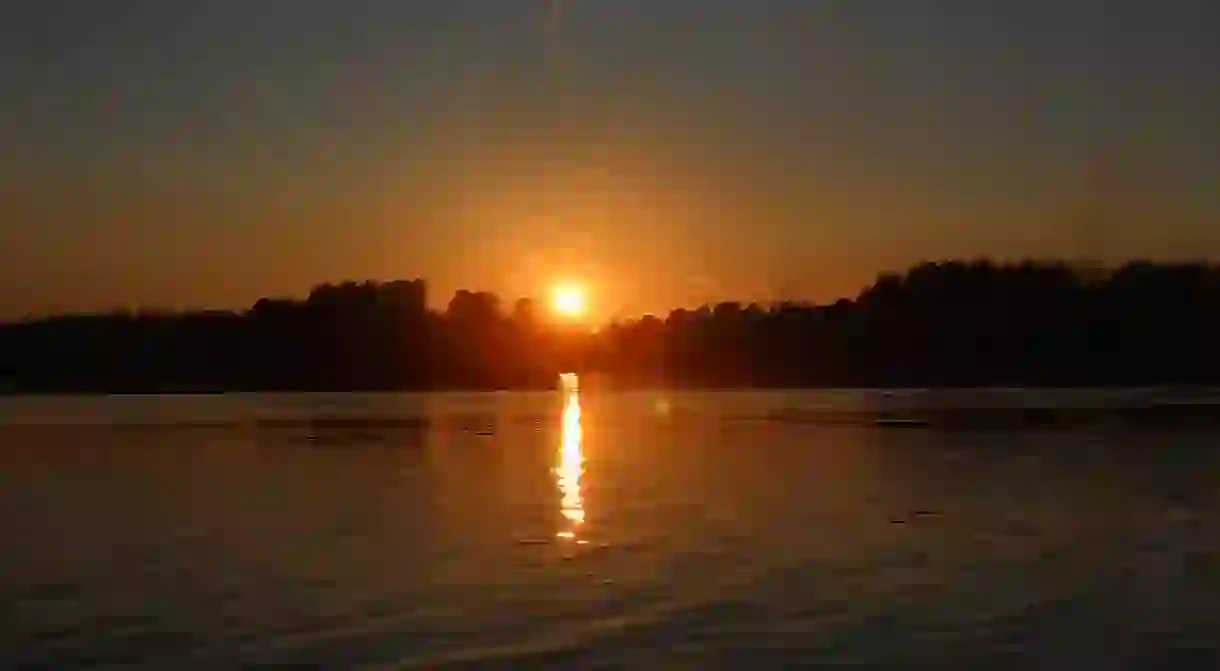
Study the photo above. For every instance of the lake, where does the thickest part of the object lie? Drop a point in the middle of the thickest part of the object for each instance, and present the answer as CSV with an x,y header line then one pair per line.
x,y
585,528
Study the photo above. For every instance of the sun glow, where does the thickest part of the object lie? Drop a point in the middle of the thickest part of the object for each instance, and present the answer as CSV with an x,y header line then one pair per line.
x,y
569,300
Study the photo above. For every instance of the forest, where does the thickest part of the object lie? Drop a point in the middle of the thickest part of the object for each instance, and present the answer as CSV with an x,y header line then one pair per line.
x,y
938,324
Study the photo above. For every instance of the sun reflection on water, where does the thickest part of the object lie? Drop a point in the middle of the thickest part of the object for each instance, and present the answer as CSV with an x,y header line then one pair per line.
x,y
571,460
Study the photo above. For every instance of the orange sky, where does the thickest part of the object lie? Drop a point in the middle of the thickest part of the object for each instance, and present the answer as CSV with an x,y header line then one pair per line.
x,y
665,154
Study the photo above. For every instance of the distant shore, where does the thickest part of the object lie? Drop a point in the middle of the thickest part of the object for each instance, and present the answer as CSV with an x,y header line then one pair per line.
x,y
955,324
1163,392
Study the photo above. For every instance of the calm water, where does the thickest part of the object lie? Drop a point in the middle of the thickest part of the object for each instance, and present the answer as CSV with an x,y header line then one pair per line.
x,y
633,530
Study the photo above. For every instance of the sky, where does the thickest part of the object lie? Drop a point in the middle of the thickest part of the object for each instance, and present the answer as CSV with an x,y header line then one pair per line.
x,y
185,154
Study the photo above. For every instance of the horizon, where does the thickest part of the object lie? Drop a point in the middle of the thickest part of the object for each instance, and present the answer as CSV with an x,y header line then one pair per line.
x,y
937,325
1084,270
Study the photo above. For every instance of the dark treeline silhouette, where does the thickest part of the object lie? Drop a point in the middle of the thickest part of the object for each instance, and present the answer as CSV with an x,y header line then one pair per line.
x,y
938,325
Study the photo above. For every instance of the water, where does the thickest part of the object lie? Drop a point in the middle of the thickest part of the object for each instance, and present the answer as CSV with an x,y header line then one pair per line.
x,y
584,528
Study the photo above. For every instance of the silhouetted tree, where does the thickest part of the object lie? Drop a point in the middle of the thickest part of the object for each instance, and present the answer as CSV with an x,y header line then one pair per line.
x,y
957,323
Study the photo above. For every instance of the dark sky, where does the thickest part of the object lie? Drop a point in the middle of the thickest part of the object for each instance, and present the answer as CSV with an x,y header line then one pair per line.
x,y
665,152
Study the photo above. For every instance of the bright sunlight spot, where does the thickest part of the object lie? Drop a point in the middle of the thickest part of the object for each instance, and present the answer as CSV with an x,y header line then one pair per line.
x,y
570,300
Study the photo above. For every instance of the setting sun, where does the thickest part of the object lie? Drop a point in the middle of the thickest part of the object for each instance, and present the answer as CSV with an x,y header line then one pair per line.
x,y
569,300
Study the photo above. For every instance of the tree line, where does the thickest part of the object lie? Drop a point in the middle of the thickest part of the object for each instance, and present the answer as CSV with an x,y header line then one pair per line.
x,y
947,324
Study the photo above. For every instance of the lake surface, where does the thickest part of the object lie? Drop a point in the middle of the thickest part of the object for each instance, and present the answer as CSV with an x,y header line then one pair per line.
x,y
598,528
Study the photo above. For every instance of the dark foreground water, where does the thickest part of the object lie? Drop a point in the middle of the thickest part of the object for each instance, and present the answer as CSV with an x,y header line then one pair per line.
x,y
629,530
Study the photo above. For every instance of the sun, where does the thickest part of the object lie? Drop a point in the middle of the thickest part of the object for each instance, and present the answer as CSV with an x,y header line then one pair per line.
x,y
569,300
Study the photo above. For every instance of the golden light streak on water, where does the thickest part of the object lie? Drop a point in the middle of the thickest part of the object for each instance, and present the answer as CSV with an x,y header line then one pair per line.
x,y
570,469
